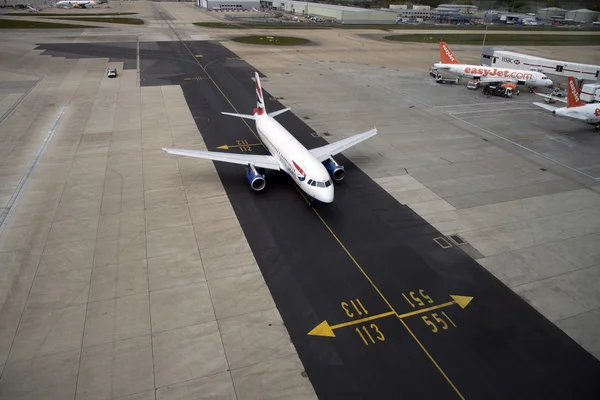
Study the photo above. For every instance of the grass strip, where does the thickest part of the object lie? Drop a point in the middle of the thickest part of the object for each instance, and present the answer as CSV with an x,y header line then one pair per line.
x,y
66,14
19,24
117,20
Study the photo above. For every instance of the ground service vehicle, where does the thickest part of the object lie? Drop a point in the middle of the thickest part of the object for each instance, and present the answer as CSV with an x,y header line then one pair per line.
x,y
505,90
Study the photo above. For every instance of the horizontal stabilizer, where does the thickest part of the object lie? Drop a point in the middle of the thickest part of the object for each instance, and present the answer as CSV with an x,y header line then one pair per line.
x,y
562,100
276,113
239,115
545,106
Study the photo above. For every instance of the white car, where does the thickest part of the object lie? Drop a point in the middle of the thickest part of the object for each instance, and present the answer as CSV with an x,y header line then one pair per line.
x,y
111,72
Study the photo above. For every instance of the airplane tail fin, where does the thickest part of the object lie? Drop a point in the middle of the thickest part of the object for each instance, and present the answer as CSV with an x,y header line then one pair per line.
x,y
573,99
446,56
260,101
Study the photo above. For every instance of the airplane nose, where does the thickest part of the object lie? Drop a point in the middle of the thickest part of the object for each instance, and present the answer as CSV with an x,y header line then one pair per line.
x,y
326,196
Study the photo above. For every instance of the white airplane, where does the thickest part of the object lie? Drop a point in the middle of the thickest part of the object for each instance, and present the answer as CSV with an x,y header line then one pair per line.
x,y
489,74
575,109
310,169
79,3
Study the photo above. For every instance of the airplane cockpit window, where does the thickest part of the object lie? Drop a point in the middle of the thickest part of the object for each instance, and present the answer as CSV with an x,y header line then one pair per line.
x,y
321,184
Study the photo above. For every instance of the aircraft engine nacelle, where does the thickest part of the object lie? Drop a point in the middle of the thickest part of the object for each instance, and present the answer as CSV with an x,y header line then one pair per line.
x,y
336,170
255,179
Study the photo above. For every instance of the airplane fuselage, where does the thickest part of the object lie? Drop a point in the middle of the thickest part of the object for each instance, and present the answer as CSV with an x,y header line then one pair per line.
x,y
589,113
304,169
529,78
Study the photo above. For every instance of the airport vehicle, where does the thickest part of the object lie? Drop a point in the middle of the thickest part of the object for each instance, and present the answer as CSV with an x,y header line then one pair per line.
x,y
440,79
489,74
433,72
590,93
111,72
503,90
575,109
473,85
311,169
558,92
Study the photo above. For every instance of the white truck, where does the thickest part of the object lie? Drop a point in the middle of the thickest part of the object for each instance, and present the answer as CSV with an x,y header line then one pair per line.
x,y
590,93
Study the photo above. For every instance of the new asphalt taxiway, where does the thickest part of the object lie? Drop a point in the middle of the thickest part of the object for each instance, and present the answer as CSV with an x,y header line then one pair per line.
x,y
377,302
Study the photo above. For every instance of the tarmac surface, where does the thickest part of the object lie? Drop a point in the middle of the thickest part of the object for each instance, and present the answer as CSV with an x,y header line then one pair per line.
x,y
368,256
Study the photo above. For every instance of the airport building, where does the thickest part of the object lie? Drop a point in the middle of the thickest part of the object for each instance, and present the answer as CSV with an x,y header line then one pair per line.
x,y
582,15
551,12
343,14
498,57
229,5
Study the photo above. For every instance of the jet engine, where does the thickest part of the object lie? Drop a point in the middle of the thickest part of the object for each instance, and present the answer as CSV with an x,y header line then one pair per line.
x,y
255,179
336,170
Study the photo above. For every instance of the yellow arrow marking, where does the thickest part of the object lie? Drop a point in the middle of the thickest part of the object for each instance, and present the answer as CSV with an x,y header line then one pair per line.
x,y
324,329
227,147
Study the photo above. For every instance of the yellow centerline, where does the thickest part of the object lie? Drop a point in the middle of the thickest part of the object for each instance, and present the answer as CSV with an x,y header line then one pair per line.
x,y
333,234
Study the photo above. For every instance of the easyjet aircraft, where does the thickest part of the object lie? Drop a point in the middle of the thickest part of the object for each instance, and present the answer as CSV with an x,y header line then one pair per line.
x,y
575,109
309,169
488,74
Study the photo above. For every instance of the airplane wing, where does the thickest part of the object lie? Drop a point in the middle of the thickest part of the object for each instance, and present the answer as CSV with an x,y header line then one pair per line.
x,y
323,152
546,106
552,97
267,162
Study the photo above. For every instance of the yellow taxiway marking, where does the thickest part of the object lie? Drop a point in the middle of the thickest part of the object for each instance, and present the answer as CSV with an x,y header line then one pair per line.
x,y
324,329
227,147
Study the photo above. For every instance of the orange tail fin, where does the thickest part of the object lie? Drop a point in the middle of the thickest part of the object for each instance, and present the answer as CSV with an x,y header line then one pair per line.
x,y
573,99
446,56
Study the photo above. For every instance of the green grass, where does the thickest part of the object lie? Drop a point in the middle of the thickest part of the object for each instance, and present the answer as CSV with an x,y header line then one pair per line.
x,y
271,40
18,24
491,39
66,14
217,25
127,21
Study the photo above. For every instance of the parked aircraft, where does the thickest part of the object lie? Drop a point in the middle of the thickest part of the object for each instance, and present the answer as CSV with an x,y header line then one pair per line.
x,y
489,74
77,3
575,109
311,169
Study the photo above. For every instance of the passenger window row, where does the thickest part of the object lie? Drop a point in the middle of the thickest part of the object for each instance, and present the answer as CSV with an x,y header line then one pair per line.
x,y
327,183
